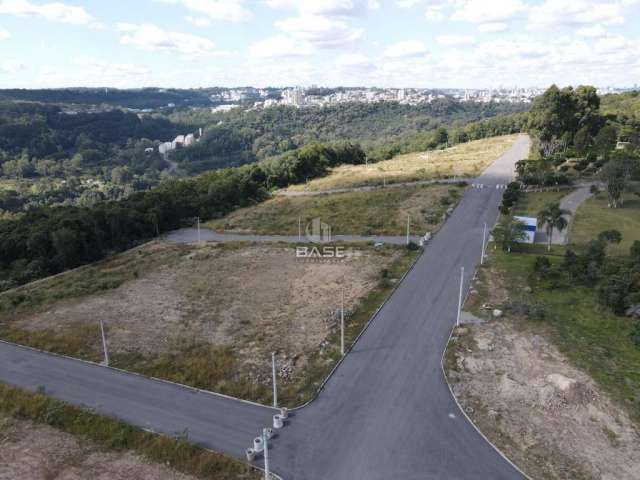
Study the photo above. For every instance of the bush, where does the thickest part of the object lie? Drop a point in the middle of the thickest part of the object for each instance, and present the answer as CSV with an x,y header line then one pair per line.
x,y
541,265
635,334
412,246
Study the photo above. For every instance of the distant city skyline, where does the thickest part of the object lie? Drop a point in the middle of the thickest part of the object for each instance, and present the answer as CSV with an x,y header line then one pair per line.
x,y
393,43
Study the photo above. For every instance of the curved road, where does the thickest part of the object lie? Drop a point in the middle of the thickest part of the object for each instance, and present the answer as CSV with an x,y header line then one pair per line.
x,y
386,413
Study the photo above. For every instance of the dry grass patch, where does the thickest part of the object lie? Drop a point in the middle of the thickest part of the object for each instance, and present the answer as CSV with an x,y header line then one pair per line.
x,y
463,160
375,212
208,316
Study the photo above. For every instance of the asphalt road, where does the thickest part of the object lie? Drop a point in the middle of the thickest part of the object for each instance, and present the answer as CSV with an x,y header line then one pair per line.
x,y
386,413
571,202
223,424
190,235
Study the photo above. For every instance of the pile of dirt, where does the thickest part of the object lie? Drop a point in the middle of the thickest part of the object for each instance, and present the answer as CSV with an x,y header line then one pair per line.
x,y
546,415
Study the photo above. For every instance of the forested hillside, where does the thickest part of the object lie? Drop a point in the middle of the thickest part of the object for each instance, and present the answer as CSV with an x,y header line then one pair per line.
x,y
53,239
141,98
383,129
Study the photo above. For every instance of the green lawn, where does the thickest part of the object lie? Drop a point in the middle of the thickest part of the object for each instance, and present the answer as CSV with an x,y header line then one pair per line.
x,y
531,203
596,340
381,211
594,216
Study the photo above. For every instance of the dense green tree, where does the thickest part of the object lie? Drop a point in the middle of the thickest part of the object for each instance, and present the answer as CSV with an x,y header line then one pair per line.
x,y
508,232
552,217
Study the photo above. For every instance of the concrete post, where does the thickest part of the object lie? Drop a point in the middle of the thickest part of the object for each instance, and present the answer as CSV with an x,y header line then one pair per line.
x,y
484,239
460,296
273,374
267,474
104,344
342,324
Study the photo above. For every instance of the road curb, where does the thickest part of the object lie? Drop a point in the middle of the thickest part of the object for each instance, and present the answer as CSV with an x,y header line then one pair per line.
x,y
355,340
455,399
136,374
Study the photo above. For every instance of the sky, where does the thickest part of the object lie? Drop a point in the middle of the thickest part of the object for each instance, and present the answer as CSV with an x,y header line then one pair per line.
x,y
383,43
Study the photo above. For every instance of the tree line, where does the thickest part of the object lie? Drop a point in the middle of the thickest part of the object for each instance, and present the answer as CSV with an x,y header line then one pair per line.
x,y
52,239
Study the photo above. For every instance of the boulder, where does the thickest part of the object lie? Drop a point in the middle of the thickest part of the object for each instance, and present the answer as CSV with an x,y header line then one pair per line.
x,y
633,311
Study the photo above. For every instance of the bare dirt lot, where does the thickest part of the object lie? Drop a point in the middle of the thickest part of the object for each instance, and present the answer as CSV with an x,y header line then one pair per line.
x,y
30,451
205,315
547,416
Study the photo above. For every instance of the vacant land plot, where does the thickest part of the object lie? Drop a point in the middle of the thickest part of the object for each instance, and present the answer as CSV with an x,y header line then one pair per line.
x,y
463,160
39,452
380,212
593,216
547,386
208,315
83,444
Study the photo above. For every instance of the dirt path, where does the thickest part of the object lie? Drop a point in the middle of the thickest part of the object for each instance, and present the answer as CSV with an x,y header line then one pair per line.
x,y
368,188
571,203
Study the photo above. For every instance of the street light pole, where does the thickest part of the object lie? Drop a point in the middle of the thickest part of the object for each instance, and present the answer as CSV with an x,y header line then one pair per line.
x,y
267,475
273,374
104,344
408,223
460,296
484,239
342,324
299,229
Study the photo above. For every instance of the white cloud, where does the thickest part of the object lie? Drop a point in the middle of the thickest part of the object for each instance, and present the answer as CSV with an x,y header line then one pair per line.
x,y
592,32
4,34
150,37
320,31
54,12
201,22
492,27
225,10
407,3
455,40
524,48
407,48
12,66
353,60
326,7
435,12
552,13
481,11
279,46
101,68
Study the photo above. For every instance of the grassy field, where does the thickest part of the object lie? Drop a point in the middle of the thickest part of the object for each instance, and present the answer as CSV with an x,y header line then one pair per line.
x,y
530,204
593,216
466,159
381,211
208,316
596,340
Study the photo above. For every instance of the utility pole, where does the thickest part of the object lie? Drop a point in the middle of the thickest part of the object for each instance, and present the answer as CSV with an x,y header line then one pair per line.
x,y
104,345
267,475
484,239
299,228
342,324
408,223
460,297
273,374
198,220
